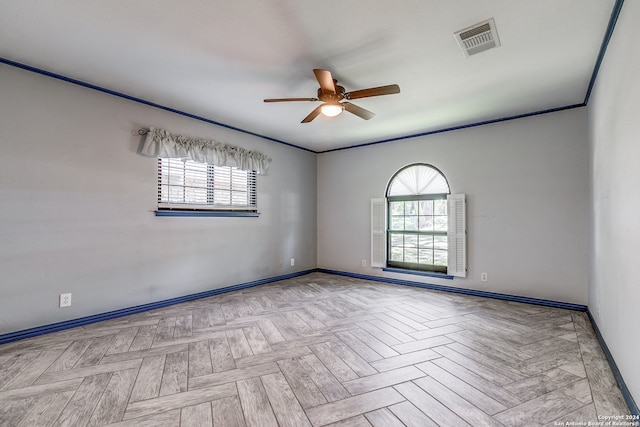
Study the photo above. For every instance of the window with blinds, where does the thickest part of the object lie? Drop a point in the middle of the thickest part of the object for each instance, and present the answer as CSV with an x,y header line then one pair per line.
x,y
188,185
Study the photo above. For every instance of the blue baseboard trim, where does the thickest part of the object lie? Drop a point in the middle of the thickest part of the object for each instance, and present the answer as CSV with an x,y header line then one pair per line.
x,y
60,326
68,324
633,407
631,403
473,292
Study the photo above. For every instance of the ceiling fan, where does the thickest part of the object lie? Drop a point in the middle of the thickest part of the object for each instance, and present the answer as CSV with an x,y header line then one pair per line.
x,y
332,96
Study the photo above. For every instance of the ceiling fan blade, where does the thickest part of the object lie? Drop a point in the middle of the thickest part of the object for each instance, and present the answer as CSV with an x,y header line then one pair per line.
x,y
312,115
374,91
325,79
358,111
290,99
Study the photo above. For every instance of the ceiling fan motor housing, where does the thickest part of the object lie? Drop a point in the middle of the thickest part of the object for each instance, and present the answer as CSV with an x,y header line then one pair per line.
x,y
331,94
326,96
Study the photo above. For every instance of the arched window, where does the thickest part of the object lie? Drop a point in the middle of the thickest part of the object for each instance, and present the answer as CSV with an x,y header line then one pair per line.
x,y
424,223
417,222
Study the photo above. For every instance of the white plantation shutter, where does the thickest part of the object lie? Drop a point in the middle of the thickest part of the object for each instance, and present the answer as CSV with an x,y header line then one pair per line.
x,y
378,233
457,235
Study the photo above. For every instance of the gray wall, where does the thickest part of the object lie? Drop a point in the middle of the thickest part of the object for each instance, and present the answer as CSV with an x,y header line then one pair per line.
x,y
76,208
526,183
614,128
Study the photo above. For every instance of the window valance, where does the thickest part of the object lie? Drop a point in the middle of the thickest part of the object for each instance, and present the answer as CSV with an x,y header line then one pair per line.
x,y
161,143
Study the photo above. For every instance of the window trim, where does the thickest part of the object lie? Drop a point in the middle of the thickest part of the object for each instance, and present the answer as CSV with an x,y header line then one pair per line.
x,y
436,187
418,273
401,266
202,213
414,266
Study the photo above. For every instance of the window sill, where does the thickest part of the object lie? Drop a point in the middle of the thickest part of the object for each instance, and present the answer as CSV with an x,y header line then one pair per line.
x,y
208,213
418,273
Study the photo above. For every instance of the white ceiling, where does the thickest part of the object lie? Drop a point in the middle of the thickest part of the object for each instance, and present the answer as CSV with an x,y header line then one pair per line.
x,y
219,59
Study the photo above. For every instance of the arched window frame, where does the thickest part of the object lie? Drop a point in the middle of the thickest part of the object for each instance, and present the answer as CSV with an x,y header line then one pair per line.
x,y
419,242
431,239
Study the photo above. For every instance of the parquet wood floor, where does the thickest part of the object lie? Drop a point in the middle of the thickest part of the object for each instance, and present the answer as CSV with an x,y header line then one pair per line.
x,y
313,351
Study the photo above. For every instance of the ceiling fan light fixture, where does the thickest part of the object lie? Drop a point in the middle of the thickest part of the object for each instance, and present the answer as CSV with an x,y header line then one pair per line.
x,y
331,110
330,94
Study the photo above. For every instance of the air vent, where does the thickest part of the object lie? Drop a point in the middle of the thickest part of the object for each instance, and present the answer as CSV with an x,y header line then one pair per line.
x,y
478,38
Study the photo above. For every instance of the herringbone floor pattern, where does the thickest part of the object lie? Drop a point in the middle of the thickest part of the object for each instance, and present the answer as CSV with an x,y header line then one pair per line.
x,y
315,350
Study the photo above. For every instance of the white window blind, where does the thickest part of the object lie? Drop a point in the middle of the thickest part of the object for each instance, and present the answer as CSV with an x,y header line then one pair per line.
x,y
188,185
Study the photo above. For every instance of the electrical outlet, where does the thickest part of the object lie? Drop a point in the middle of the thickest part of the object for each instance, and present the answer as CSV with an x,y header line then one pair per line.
x,y
280,264
293,262
65,300
364,262
484,277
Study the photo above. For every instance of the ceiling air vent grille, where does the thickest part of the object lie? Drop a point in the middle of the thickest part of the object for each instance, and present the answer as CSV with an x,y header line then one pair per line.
x,y
478,38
